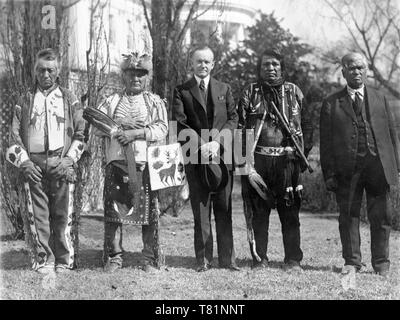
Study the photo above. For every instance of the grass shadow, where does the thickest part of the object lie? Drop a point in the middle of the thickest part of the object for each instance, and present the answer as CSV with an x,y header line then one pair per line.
x,y
188,262
243,263
90,259
15,260
93,259
316,268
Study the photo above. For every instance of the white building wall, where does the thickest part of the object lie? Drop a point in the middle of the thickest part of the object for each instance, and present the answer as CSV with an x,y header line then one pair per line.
x,y
124,27
233,16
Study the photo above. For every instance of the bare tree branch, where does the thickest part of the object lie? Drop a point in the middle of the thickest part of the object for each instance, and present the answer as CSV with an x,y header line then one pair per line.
x,y
394,66
375,37
146,15
385,83
341,18
374,17
189,18
205,10
381,38
69,5
177,11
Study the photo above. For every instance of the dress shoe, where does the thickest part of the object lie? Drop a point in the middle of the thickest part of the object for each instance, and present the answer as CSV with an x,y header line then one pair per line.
x,y
203,267
383,273
113,264
62,268
232,267
349,269
46,269
258,265
149,267
292,266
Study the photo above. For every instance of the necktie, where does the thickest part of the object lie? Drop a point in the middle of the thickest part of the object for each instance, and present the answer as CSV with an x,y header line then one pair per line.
x,y
202,87
357,103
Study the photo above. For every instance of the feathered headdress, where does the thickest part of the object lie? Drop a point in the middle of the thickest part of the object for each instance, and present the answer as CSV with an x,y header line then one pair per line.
x,y
136,61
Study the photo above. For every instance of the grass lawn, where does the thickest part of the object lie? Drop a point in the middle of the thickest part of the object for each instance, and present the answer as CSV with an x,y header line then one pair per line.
x,y
179,280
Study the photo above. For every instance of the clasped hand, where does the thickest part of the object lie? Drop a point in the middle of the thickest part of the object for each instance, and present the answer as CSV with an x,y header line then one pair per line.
x,y
61,168
132,128
31,171
125,137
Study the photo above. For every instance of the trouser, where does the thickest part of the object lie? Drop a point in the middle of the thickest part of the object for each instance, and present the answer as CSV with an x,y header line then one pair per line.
x,y
271,169
52,210
113,240
368,176
221,202
113,226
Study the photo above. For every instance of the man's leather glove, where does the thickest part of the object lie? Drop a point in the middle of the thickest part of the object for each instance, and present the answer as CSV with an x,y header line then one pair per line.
x,y
62,169
31,171
257,182
331,184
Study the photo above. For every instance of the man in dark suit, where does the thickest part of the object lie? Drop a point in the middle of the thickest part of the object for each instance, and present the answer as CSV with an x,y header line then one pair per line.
x,y
360,151
199,105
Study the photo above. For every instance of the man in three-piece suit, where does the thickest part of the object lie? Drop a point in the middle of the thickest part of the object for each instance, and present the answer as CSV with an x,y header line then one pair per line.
x,y
360,151
199,105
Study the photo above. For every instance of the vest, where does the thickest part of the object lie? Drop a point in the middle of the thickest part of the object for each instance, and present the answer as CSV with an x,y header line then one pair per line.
x,y
366,140
210,109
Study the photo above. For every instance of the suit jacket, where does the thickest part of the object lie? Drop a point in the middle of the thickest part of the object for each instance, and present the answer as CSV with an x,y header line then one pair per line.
x,y
339,135
190,112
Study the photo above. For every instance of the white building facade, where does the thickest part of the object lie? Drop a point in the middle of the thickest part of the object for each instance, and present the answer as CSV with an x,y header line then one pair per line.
x,y
223,18
122,24
119,23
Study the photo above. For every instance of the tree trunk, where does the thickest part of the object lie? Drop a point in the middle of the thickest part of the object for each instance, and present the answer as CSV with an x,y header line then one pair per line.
x,y
160,18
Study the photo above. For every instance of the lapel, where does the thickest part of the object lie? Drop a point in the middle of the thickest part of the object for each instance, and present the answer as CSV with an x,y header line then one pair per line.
x,y
345,104
195,91
215,90
372,102
213,86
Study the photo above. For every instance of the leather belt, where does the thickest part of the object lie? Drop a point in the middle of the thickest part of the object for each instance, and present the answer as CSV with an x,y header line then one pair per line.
x,y
270,151
50,153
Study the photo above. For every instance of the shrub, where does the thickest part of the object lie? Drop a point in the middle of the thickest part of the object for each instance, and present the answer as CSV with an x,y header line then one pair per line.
x,y
315,197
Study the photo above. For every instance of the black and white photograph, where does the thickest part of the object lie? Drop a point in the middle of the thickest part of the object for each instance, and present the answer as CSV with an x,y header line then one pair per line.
x,y
204,155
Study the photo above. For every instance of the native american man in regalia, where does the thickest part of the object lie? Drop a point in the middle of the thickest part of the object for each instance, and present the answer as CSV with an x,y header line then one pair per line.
x,y
271,178
46,141
128,198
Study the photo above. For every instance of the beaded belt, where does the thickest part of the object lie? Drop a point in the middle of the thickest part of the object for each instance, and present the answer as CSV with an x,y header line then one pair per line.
x,y
271,151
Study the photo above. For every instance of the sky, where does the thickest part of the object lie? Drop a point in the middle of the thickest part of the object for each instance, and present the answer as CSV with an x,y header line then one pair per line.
x,y
311,20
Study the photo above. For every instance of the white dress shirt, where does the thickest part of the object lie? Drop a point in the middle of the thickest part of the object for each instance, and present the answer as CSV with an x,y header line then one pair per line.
x,y
352,93
206,81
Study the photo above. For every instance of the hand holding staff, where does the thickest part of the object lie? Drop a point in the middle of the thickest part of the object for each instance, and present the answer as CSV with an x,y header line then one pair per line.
x,y
292,137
